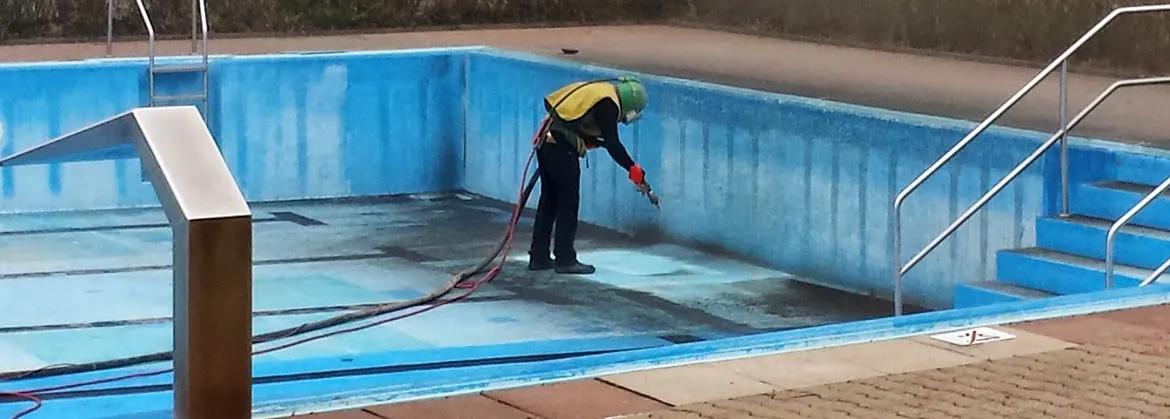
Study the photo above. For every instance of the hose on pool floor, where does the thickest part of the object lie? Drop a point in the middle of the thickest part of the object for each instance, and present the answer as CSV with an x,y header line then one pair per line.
x,y
458,280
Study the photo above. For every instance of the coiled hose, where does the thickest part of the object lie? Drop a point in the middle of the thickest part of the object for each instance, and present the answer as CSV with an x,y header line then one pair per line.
x,y
456,281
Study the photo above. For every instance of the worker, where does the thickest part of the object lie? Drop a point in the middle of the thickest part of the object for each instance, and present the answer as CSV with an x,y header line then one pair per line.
x,y
586,117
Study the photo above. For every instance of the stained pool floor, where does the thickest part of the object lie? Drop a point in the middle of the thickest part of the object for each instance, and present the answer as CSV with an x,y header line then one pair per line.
x,y
88,286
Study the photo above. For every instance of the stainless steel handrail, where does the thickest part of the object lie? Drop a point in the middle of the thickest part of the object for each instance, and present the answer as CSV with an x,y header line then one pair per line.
x,y
1157,273
150,31
198,7
206,69
1121,222
109,28
1060,61
1044,147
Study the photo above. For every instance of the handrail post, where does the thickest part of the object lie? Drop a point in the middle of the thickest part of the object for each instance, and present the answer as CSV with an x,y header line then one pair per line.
x,y
194,25
1121,222
1061,60
109,28
150,31
1064,138
896,227
206,68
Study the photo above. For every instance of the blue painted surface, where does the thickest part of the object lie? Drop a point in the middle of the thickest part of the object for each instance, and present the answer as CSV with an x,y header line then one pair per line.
x,y
1085,237
279,400
985,293
1057,273
806,185
1110,202
796,183
290,126
799,185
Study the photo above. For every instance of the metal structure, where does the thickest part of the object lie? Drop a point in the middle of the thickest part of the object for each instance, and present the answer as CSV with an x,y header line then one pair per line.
x,y
1156,274
1061,61
212,227
1121,222
198,20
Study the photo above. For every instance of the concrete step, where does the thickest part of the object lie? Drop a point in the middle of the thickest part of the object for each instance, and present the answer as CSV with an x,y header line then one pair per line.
x,y
1110,200
994,292
1084,236
1062,273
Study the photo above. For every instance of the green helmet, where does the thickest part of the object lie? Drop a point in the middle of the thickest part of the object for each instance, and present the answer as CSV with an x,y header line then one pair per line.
x,y
633,97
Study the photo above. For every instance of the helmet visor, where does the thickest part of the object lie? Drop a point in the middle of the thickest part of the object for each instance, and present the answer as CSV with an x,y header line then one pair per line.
x,y
631,116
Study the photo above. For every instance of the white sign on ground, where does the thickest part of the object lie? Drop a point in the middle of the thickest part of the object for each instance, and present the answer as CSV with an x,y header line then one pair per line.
x,y
975,336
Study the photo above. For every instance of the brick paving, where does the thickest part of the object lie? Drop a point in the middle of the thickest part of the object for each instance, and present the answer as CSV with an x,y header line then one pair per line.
x,y
1091,381
1117,369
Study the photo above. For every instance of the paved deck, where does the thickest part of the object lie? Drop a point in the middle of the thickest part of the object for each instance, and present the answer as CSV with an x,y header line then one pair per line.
x,y
1111,365
926,85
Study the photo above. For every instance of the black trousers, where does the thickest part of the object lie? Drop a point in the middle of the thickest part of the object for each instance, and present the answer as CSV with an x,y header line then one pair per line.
x,y
560,198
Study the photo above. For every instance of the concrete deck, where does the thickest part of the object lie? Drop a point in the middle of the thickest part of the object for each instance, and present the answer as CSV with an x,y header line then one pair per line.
x,y
1110,365
926,85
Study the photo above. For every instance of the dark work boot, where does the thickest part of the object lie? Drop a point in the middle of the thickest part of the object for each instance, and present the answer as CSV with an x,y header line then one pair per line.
x,y
575,268
540,264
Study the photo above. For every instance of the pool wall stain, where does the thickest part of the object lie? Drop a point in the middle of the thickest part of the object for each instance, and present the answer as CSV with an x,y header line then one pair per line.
x,y
801,185
289,126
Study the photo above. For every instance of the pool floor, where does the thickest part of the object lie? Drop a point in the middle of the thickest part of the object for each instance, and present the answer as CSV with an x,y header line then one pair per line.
x,y
89,286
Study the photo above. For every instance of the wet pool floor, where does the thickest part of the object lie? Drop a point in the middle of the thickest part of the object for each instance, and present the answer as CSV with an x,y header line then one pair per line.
x,y
88,286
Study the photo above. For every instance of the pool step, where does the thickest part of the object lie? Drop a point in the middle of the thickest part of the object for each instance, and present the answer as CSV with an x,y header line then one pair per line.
x,y
1084,236
1111,199
180,84
994,292
179,68
1062,273
179,98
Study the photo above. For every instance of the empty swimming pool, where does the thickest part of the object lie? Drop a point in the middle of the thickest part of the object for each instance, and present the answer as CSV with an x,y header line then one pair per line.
x,y
375,176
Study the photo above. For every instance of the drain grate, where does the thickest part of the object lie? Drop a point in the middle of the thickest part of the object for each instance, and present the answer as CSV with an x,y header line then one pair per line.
x,y
975,336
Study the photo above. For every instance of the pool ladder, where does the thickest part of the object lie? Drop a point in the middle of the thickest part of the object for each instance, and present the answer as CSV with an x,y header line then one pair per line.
x,y
198,10
1061,136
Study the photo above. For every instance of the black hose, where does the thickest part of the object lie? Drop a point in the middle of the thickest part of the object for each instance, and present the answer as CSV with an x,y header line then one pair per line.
x,y
351,317
293,331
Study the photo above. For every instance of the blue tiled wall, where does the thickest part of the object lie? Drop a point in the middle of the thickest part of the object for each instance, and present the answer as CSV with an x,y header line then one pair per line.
x,y
290,126
800,184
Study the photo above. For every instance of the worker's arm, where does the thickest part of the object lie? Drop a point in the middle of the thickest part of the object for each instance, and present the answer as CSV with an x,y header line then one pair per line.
x,y
606,114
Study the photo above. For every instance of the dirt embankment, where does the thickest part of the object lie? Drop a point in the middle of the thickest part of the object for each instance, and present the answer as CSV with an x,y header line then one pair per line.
x,y
1032,31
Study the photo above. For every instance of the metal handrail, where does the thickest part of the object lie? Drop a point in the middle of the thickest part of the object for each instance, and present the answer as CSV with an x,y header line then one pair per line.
x,y
206,69
1157,273
1121,222
150,31
1044,147
198,8
1062,62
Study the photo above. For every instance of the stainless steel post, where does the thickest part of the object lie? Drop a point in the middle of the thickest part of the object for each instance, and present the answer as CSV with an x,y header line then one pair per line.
x,y
1064,138
109,28
212,270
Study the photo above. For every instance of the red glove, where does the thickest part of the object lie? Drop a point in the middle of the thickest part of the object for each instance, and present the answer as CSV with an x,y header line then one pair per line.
x,y
637,175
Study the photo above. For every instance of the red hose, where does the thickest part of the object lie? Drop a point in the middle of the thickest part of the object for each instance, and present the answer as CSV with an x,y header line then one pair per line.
x,y
470,287
37,403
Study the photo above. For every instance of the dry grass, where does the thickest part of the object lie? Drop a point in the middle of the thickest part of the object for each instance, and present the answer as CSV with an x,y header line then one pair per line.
x,y
86,19
1029,30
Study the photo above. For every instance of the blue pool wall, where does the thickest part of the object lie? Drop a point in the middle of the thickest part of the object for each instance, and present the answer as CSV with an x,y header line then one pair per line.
x,y
799,184
290,126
